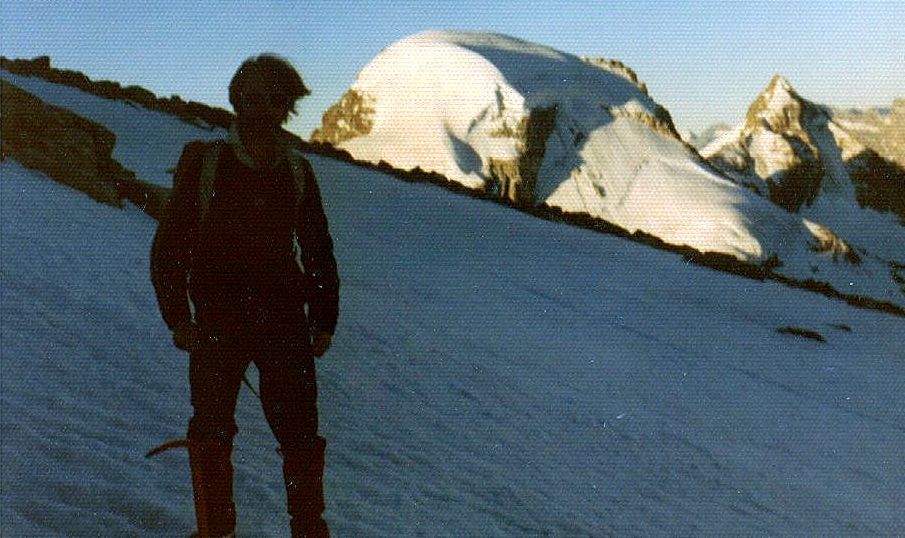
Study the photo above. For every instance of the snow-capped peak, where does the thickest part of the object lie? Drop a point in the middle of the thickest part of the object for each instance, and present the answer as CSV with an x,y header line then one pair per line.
x,y
780,108
791,151
534,125
779,85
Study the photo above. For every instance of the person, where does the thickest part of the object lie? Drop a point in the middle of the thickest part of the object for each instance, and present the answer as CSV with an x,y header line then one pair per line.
x,y
244,271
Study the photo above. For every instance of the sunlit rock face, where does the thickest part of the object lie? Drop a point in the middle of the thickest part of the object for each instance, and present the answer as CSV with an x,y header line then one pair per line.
x,y
794,151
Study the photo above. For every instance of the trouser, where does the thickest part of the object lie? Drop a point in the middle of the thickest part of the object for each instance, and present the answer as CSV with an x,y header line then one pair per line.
x,y
288,389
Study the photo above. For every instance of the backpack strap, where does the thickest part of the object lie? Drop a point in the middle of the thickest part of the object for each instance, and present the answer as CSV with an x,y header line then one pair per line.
x,y
301,174
206,181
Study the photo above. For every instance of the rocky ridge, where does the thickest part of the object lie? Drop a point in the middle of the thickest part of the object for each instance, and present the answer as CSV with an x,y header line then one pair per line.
x,y
70,149
792,150
189,111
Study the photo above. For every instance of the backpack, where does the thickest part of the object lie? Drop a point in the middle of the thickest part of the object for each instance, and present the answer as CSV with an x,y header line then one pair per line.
x,y
301,175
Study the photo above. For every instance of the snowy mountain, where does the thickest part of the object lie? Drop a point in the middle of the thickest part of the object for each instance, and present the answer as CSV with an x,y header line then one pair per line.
x,y
708,135
795,151
880,129
538,126
493,375
810,159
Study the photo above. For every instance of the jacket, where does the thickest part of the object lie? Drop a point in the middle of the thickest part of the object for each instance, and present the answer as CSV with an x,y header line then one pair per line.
x,y
261,253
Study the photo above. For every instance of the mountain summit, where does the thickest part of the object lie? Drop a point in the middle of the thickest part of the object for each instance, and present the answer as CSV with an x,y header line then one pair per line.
x,y
778,97
485,109
819,163
795,151
535,126
776,150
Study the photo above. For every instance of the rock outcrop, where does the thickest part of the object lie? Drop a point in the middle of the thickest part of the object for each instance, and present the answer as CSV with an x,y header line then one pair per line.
x,y
793,150
619,68
515,179
352,116
70,149
659,120
876,160
777,154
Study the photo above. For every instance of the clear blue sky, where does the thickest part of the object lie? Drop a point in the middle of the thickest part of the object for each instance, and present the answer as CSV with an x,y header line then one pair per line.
x,y
705,61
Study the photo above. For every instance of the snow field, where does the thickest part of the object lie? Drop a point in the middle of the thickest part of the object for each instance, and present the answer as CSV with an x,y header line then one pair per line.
x,y
492,375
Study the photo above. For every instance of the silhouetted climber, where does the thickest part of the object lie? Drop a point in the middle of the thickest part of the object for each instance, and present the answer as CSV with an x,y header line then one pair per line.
x,y
244,248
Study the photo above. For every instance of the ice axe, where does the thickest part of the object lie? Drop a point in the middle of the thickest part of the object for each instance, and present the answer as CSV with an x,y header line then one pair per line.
x,y
184,443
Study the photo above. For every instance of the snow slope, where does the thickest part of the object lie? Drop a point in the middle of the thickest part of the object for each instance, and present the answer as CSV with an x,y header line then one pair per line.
x,y
463,104
492,375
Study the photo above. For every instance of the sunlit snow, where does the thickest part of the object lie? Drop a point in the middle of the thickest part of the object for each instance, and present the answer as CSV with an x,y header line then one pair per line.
x,y
442,99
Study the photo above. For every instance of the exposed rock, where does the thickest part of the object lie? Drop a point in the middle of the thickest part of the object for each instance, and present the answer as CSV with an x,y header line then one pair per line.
x,y
804,333
515,180
660,120
150,198
778,107
352,116
825,241
778,152
70,149
873,145
879,182
619,68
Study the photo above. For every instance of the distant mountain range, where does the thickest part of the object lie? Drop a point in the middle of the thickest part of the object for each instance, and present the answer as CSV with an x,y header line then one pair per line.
x,y
881,129
708,135
580,139
539,127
